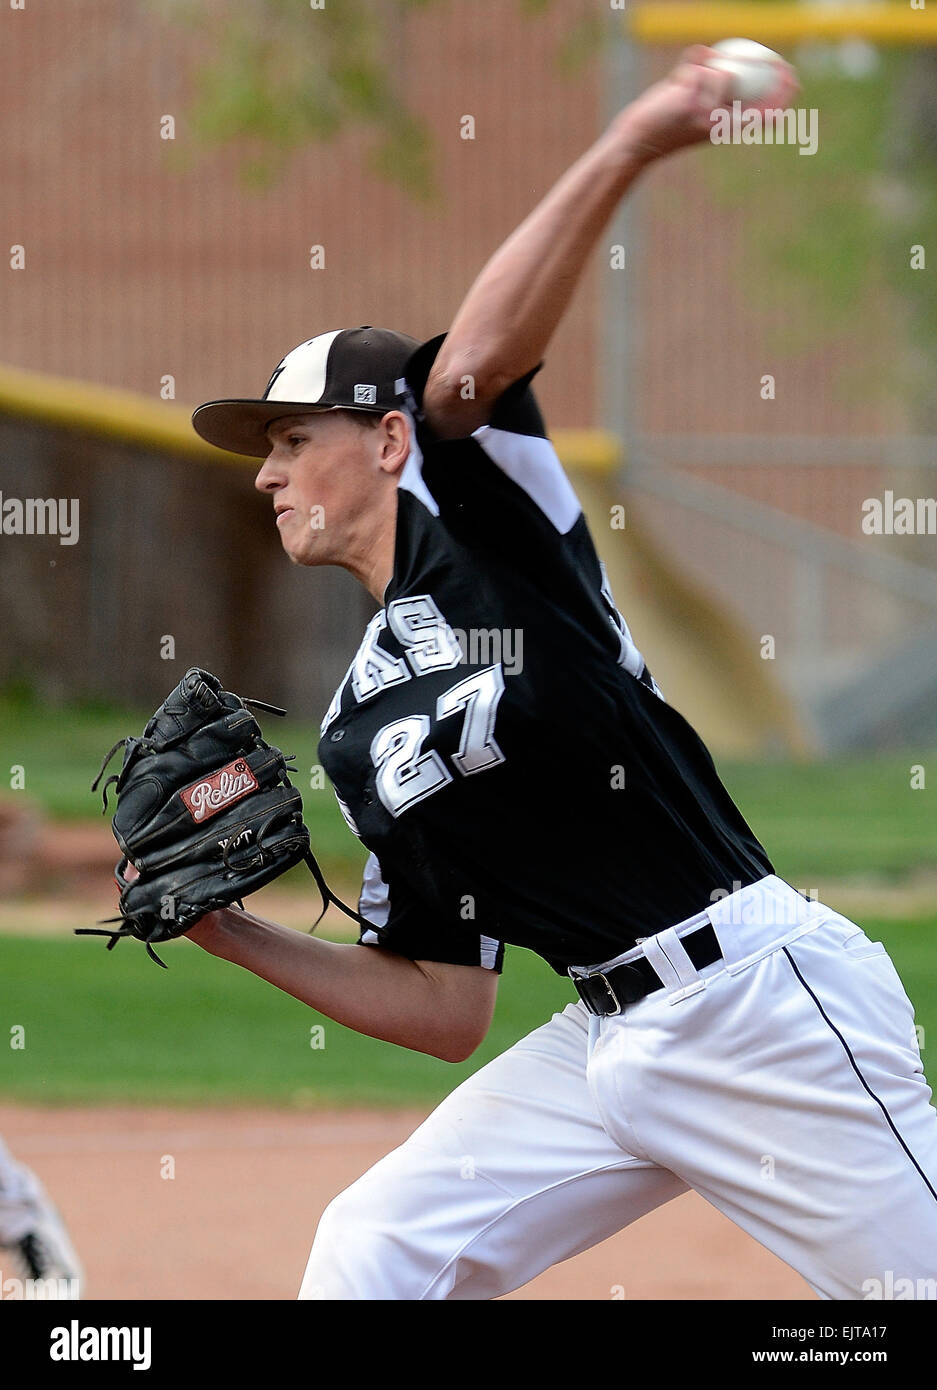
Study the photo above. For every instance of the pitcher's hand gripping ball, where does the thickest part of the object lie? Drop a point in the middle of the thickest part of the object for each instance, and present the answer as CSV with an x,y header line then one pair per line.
x,y
759,75
206,813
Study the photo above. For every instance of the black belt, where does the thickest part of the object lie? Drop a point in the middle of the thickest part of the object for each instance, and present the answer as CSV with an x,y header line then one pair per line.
x,y
606,995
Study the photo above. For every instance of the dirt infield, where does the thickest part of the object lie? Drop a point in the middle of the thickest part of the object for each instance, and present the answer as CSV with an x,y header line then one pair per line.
x,y
237,1218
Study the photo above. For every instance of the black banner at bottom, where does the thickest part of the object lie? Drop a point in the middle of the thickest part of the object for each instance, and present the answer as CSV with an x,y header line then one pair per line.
x,y
240,1339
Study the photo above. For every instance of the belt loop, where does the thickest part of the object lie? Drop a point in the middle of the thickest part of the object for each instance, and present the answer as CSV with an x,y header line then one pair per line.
x,y
667,955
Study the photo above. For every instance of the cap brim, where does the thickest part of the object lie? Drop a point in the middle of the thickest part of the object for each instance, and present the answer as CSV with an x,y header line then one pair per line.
x,y
241,426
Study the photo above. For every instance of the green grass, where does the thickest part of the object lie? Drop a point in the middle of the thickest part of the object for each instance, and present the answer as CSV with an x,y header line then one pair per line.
x,y
839,818
912,945
842,818
111,1026
60,752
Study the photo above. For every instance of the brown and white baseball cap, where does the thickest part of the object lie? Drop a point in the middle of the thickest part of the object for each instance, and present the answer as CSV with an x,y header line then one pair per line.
x,y
348,369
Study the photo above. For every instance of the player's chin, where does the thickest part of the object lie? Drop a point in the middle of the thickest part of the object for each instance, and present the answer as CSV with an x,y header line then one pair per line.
x,y
303,551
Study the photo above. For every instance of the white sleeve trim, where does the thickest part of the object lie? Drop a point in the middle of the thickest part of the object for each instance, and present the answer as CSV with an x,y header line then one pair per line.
x,y
374,900
489,952
411,479
374,904
532,462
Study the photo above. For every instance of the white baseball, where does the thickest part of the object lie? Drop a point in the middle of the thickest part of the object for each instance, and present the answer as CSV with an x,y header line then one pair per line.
x,y
758,72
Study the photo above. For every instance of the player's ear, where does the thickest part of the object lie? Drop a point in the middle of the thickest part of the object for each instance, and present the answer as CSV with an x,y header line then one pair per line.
x,y
394,441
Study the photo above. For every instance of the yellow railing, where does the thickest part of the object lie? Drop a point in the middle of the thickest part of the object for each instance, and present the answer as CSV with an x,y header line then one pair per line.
x,y
779,23
165,426
104,410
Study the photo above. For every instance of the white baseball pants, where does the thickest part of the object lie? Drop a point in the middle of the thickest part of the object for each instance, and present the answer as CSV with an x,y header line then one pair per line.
x,y
784,1083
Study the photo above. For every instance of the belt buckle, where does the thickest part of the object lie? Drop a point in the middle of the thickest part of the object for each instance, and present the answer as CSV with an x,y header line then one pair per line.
x,y
583,985
610,994
619,997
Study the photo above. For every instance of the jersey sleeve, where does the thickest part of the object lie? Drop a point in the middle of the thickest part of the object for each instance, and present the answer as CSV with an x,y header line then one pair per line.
x,y
504,482
398,922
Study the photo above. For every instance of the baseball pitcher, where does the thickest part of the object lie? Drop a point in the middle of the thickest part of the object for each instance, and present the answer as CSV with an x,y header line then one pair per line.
x,y
564,806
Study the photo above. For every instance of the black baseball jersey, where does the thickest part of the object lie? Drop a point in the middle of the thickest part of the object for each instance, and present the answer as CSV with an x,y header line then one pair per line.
x,y
498,742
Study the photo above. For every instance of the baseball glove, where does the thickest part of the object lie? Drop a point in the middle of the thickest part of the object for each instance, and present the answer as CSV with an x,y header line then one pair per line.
x,y
206,813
